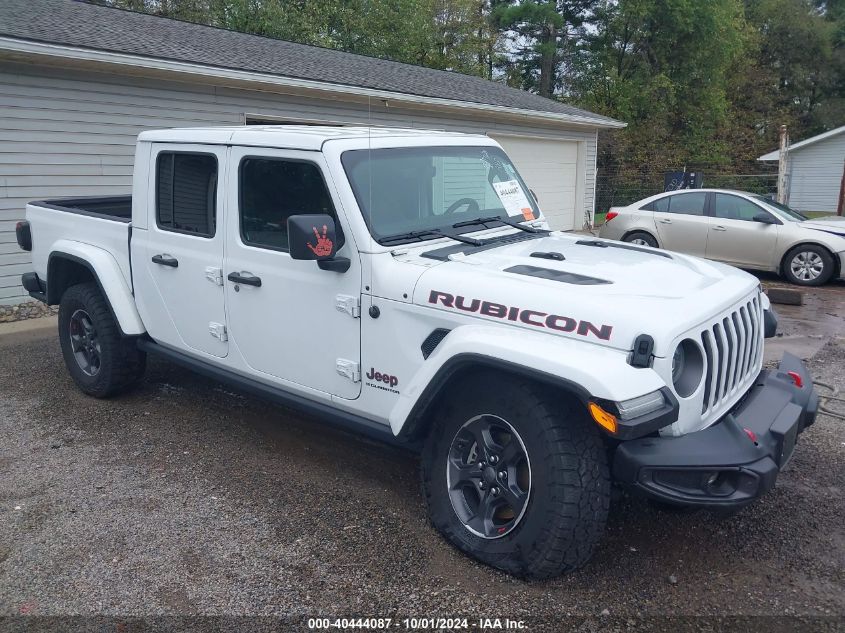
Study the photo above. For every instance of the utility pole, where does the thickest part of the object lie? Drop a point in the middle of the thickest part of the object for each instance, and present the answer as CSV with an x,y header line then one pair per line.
x,y
782,159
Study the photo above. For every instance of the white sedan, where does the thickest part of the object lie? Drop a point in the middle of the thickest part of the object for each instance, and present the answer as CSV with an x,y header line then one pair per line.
x,y
735,227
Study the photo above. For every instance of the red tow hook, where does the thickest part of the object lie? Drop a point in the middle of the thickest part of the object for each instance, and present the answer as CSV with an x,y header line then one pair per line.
x,y
751,435
796,378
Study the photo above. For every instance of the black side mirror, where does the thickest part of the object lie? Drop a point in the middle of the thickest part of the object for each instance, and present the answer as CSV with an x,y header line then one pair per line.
x,y
765,218
314,237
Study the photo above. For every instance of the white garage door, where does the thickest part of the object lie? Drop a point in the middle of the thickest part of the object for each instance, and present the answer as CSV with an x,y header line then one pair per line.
x,y
550,168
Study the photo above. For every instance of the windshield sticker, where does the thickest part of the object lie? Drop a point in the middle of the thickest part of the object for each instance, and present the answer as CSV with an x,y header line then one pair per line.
x,y
513,198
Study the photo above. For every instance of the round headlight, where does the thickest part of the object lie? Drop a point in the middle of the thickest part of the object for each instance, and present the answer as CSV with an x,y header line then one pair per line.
x,y
687,368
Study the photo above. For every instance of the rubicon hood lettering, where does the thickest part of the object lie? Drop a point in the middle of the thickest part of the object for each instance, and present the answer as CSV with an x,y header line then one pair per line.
x,y
513,313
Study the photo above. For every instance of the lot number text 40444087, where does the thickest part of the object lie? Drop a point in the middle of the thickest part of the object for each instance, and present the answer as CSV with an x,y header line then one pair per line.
x,y
422,623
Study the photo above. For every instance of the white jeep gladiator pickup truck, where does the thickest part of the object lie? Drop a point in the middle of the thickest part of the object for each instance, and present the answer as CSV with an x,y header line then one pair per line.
x,y
405,284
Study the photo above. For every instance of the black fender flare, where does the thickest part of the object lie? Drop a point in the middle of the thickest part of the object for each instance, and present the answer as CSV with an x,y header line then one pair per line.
x,y
416,421
53,293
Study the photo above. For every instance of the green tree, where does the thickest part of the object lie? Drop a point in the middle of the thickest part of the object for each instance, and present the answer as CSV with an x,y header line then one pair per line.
x,y
697,82
540,35
188,10
662,66
446,34
801,60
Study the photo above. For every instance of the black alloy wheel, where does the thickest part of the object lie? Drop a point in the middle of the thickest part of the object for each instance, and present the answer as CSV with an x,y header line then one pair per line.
x,y
488,476
84,343
515,474
99,357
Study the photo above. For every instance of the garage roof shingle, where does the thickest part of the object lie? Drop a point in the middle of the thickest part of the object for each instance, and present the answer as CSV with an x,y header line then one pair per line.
x,y
82,25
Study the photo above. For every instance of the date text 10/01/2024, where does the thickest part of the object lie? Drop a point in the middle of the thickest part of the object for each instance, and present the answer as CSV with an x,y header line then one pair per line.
x,y
482,624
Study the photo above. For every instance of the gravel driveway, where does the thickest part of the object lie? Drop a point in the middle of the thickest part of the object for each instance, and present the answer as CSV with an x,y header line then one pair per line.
x,y
184,498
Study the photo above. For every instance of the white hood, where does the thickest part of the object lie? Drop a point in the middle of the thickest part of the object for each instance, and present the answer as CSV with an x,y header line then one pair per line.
x,y
610,295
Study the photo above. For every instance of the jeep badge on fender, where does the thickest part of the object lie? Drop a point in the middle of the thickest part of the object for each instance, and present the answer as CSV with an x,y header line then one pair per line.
x,y
380,377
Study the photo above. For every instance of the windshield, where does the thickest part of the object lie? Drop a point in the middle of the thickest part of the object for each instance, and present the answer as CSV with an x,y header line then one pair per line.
x,y
421,189
781,210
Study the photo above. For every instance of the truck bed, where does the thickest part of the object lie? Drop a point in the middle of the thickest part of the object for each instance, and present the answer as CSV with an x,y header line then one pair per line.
x,y
117,208
62,225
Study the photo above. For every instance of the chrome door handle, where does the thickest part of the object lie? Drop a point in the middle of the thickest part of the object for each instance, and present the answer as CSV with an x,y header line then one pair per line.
x,y
665,221
164,259
719,227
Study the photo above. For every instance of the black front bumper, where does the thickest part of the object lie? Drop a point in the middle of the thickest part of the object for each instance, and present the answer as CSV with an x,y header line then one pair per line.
x,y
723,466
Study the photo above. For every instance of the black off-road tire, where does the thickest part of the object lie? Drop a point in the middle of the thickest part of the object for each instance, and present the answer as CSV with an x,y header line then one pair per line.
x,y
819,254
121,363
569,497
646,238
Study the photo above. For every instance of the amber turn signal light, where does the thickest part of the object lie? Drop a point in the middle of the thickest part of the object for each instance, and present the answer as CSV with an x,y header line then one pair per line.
x,y
604,419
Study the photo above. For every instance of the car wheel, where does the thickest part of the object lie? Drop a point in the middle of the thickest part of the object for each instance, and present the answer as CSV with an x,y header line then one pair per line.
x,y
516,477
100,360
808,265
642,238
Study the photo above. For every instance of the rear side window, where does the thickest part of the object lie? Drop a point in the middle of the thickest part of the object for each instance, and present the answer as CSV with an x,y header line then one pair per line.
x,y
660,205
186,193
272,190
687,203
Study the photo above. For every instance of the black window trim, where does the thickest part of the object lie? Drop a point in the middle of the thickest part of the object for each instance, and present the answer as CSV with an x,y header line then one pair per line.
x,y
164,150
339,230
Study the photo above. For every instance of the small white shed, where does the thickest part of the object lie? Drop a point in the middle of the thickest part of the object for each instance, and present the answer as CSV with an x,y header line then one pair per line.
x,y
815,171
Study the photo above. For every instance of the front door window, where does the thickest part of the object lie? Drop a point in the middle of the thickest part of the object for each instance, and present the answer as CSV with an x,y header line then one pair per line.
x,y
274,189
728,207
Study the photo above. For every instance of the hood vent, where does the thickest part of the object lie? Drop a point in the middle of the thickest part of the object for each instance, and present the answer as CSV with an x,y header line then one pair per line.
x,y
550,255
556,275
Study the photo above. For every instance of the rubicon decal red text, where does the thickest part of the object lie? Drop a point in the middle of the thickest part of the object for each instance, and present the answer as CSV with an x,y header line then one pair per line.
x,y
513,313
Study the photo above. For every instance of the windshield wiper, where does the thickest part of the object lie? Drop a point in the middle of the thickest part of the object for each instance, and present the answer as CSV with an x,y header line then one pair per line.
x,y
508,221
410,235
